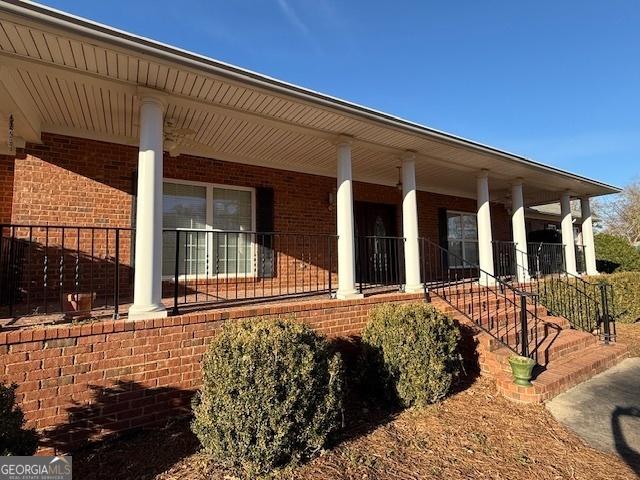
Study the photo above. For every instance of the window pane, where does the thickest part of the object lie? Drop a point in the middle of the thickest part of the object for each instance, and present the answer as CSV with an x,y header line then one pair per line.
x,y
232,214
184,207
455,253
454,226
231,209
471,252
470,227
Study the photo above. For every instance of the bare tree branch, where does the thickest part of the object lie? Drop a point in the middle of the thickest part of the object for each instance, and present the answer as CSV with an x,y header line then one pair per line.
x,y
620,215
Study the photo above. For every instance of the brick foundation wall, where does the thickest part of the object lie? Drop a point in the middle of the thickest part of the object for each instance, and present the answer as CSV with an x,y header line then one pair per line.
x,y
78,383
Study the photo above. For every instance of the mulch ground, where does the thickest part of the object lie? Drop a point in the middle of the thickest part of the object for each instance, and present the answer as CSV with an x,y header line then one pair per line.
x,y
629,333
474,434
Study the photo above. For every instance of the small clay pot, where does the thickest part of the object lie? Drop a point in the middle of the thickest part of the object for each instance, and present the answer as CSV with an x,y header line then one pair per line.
x,y
78,306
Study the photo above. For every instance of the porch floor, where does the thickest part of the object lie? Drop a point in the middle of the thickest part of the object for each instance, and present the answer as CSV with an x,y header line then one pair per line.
x,y
200,302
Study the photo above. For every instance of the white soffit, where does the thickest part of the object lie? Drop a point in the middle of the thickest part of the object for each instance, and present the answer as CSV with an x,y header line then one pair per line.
x,y
68,75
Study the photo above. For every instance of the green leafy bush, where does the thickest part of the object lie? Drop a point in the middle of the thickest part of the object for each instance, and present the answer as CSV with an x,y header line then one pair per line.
x,y
14,439
626,291
615,254
410,353
271,395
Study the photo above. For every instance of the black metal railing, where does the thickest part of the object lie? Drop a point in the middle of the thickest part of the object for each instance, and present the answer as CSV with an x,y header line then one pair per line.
x,y
64,269
545,258
588,306
506,313
504,259
206,266
379,262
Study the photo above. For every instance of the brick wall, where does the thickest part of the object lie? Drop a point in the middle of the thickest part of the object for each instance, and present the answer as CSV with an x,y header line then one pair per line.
x,y
78,383
68,180
6,187
73,181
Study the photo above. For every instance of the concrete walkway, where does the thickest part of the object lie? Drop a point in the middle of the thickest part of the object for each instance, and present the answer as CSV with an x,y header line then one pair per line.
x,y
605,411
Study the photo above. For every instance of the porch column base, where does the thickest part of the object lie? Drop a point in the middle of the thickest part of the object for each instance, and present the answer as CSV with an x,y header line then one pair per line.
x,y
414,288
348,295
147,311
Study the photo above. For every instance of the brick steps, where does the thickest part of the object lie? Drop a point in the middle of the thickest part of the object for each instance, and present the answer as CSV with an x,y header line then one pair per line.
x,y
562,374
554,347
506,325
565,357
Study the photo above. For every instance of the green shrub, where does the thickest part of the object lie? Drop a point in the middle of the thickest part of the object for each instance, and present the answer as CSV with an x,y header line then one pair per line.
x,y
626,291
615,254
14,439
410,352
562,297
271,395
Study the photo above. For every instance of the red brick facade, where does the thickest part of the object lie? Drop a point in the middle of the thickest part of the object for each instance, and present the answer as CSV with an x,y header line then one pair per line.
x,y
73,181
82,382
7,164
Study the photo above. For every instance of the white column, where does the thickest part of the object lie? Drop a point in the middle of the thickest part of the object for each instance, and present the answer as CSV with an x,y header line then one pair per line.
x,y
519,231
345,224
485,247
410,225
587,237
147,294
567,234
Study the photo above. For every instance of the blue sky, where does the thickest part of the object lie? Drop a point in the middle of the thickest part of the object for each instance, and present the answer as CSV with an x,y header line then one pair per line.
x,y
556,81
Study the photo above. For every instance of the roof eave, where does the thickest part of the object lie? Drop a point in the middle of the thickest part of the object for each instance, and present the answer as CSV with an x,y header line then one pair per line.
x,y
151,47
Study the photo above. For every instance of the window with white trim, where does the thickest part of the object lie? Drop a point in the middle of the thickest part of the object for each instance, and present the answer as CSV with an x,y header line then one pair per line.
x,y
197,210
462,238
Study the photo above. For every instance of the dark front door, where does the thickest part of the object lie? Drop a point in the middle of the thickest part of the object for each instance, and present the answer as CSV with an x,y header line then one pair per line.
x,y
379,252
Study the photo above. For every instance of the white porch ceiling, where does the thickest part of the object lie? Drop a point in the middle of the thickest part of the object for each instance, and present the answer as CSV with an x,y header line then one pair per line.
x,y
62,75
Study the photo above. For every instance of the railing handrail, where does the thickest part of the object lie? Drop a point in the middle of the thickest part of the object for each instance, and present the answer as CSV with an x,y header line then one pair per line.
x,y
384,237
497,283
600,307
563,272
551,244
57,227
469,264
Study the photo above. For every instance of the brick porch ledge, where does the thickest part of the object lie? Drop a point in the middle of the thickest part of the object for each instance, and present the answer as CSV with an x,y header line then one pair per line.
x,y
79,383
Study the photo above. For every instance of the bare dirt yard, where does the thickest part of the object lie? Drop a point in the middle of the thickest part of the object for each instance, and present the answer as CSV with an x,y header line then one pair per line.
x,y
473,434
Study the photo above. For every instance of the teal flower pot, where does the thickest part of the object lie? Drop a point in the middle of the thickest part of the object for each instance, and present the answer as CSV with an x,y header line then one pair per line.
x,y
522,368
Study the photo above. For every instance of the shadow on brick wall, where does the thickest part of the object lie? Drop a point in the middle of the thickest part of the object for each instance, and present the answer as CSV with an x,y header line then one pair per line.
x,y
40,267
125,406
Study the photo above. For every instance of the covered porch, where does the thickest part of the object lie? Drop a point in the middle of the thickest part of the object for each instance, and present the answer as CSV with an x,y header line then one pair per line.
x,y
142,181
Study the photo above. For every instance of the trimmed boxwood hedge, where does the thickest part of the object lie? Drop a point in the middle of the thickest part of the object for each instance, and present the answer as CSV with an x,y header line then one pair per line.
x,y
410,353
626,288
615,254
271,395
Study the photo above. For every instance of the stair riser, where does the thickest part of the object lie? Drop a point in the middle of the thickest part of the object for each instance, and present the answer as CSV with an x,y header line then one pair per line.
x,y
570,356
537,394
487,313
552,353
